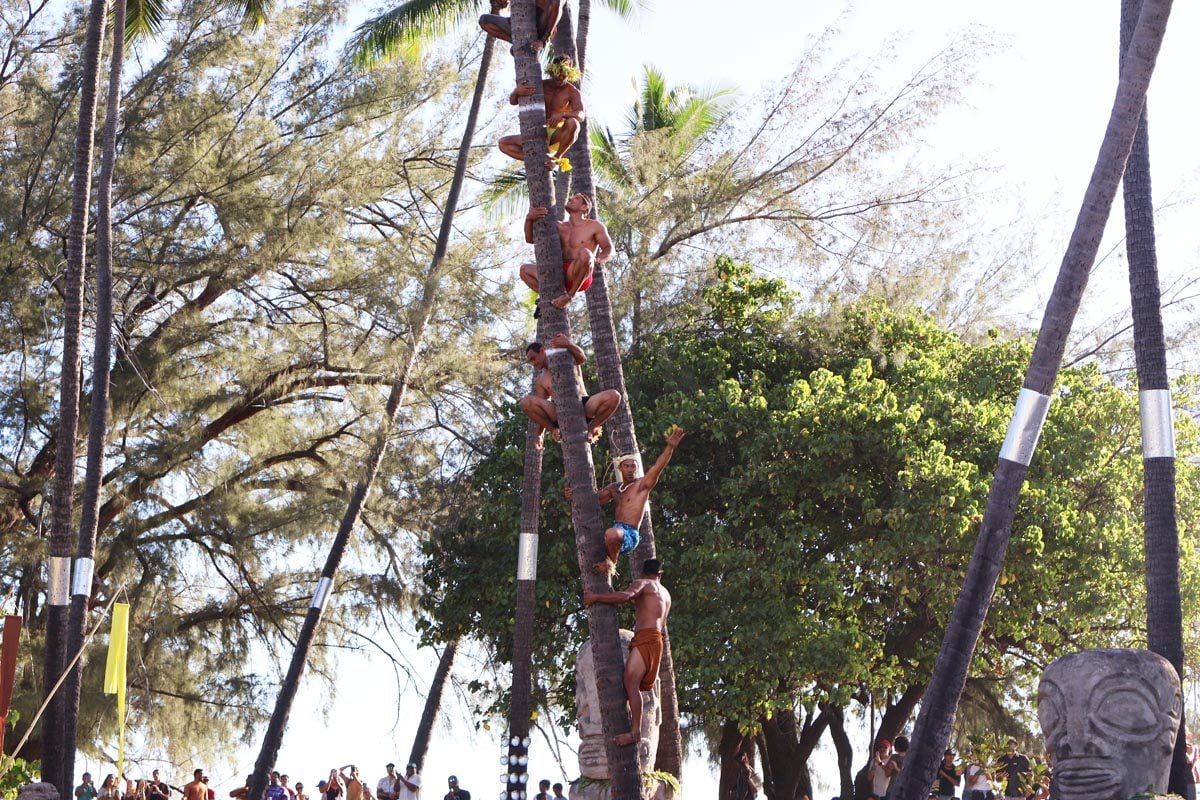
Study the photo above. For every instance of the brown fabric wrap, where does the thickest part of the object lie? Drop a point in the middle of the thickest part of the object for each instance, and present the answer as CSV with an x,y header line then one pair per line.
x,y
648,642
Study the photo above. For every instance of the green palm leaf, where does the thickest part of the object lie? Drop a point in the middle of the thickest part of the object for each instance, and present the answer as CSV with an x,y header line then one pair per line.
x,y
254,12
401,30
143,18
507,194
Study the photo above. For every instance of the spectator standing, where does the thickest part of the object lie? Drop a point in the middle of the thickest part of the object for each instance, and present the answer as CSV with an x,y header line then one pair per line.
x,y
275,790
157,789
300,791
455,792
882,768
1016,769
283,781
86,790
747,783
196,789
558,792
388,786
899,753
543,791
354,786
410,783
948,777
109,789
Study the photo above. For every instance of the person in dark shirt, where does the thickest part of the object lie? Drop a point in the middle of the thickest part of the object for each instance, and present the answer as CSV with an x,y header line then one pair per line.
x,y
456,793
948,776
1016,770
157,789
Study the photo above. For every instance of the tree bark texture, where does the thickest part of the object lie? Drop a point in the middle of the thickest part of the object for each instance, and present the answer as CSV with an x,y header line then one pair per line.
x,y
577,456
932,731
89,517
1164,614
63,506
273,739
433,704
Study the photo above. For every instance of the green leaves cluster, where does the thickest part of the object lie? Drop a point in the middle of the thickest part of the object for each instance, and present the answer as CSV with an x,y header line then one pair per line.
x,y
817,521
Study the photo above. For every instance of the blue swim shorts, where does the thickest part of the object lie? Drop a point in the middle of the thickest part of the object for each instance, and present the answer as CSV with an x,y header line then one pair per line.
x,y
630,542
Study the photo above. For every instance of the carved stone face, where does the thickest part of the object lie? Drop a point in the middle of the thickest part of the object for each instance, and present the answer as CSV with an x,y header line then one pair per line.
x,y
1110,718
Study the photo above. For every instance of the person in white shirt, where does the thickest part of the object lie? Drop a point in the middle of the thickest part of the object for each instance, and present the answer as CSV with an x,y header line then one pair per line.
x,y
389,785
410,783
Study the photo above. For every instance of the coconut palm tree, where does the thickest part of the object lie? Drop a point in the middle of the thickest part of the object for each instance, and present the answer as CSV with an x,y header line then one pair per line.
x,y
932,731
433,702
577,457
146,18
681,116
53,757
1164,615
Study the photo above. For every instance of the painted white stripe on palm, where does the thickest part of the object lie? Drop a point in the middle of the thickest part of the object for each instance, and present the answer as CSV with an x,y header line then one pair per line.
x,y
527,548
59,580
532,108
81,584
321,595
1025,427
1158,424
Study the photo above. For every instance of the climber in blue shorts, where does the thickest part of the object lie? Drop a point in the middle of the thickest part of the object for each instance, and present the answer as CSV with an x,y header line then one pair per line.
x,y
632,494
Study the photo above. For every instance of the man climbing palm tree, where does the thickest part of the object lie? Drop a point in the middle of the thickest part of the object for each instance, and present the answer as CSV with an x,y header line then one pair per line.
x,y
548,14
540,408
564,113
585,243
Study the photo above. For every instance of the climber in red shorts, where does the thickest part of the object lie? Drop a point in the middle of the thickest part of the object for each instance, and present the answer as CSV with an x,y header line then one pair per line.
x,y
585,243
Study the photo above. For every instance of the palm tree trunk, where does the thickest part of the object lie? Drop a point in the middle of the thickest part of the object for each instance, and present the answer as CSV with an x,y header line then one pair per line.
x,y
433,703
621,433
68,415
577,455
273,738
89,518
1164,615
932,730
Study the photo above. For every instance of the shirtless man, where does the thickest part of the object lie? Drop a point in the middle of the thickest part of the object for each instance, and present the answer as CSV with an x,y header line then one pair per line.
x,y
651,604
564,113
538,406
585,243
548,14
631,493
197,789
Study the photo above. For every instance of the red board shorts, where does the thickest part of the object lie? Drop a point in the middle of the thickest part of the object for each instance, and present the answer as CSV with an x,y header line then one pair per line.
x,y
583,287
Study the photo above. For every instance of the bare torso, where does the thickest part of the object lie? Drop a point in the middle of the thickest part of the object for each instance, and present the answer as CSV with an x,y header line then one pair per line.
x,y
196,790
560,97
651,604
631,503
580,236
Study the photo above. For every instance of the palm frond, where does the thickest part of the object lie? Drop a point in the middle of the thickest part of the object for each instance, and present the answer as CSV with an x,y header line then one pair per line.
x,y
607,162
143,18
255,13
625,8
507,194
403,29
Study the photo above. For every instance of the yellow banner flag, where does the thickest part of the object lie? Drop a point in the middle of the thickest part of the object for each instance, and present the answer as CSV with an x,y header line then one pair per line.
x,y
114,673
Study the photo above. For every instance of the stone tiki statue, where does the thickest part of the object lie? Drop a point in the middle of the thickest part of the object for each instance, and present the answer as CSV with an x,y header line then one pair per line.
x,y
593,759
1110,718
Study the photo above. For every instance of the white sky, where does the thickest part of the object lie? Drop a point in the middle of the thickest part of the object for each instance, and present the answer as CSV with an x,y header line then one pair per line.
x,y
1037,115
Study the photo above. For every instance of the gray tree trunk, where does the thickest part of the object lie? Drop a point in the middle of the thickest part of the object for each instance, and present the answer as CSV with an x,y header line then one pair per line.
x,y
68,415
433,704
1164,614
93,474
932,731
577,456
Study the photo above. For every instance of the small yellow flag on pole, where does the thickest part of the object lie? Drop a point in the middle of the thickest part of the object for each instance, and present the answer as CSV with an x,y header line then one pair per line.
x,y
114,673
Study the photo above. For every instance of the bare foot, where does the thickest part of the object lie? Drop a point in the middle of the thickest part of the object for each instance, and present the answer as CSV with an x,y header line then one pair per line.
x,y
594,435
556,434
605,567
551,163
562,301
624,739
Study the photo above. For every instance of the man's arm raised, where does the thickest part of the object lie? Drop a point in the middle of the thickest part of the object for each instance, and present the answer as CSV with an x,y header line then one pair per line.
x,y
673,438
561,340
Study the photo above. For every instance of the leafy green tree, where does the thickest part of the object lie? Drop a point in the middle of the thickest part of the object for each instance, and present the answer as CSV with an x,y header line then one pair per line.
x,y
816,527
934,724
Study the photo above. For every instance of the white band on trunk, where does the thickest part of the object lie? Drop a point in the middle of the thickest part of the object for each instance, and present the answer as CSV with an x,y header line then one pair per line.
x,y
1158,424
553,351
321,595
59,580
1025,427
527,549
81,584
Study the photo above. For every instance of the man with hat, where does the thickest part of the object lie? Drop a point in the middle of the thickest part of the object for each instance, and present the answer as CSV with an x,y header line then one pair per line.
x,y
632,495
651,605
388,786
410,783
456,793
